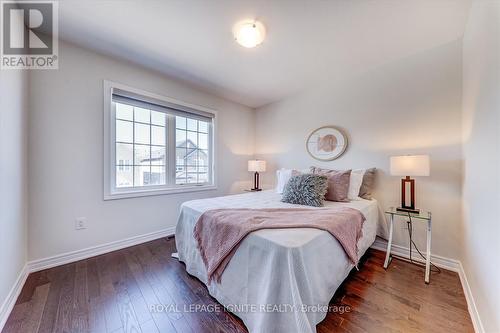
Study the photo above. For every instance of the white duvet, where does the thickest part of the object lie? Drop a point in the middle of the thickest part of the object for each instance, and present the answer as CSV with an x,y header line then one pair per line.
x,y
278,280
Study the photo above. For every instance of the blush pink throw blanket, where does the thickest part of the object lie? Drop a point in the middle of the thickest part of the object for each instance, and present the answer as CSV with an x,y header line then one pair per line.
x,y
219,232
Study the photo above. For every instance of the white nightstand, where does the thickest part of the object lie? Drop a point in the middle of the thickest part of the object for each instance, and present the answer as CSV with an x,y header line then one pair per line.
x,y
423,216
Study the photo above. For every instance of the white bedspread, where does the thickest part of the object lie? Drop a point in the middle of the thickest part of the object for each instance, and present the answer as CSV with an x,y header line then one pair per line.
x,y
277,278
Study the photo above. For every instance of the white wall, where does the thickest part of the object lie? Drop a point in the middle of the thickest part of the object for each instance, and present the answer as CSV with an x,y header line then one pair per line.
x,y
13,177
409,106
66,149
481,187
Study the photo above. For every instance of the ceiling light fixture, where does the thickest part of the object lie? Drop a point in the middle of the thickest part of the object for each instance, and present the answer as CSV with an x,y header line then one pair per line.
x,y
249,33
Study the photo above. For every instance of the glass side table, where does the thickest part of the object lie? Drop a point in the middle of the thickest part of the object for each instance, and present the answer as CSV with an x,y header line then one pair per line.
x,y
423,216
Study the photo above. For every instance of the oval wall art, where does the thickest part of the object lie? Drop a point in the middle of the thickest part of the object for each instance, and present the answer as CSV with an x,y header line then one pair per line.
x,y
326,143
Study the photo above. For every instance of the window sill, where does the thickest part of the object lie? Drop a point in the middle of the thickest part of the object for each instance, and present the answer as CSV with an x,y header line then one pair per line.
x,y
145,193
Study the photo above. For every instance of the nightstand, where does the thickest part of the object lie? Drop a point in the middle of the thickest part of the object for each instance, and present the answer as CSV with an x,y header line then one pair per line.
x,y
422,216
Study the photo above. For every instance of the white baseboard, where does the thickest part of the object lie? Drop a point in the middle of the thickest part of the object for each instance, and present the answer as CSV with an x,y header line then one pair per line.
x,y
66,258
442,262
69,257
11,299
471,304
402,251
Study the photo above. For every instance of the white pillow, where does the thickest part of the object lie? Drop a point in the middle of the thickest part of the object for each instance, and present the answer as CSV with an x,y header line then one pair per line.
x,y
355,183
282,178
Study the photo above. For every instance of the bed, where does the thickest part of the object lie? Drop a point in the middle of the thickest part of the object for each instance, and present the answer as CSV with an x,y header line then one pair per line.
x,y
279,280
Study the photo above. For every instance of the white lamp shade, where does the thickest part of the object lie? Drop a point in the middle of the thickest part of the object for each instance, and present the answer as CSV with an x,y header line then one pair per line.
x,y
256,165
410,165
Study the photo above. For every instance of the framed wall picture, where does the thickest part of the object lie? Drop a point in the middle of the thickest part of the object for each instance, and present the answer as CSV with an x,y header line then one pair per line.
x,y
326,143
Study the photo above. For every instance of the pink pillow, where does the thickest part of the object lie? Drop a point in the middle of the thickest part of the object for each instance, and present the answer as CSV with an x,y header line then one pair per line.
x,y
338,183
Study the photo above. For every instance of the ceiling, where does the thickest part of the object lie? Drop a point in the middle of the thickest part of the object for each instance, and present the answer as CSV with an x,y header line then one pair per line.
x,y
307,40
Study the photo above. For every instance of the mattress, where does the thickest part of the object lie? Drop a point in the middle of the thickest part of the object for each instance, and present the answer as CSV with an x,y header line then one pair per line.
x,y
278,280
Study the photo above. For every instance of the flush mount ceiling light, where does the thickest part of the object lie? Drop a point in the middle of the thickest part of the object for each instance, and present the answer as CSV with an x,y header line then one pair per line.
x,y
249,33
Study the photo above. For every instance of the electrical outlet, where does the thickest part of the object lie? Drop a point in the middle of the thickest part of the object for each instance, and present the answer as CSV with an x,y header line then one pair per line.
x,y
81,223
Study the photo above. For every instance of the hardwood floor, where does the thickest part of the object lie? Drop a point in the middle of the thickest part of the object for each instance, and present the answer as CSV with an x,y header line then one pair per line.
x,y
114,292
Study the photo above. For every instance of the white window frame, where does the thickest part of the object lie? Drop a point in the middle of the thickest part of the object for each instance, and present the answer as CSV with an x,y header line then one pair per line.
x,y
111,192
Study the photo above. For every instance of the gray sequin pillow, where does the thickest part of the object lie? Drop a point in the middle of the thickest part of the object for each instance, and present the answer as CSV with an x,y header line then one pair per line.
x,y
306,189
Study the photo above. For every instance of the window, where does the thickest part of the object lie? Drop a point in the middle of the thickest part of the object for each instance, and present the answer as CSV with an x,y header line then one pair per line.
x,y
140,139
155,145
191,152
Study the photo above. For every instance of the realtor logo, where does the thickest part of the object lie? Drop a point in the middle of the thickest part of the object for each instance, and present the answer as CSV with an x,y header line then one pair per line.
x,y
29,35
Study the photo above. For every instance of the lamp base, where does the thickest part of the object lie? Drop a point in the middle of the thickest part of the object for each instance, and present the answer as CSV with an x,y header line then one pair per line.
x,y
408,210
255,189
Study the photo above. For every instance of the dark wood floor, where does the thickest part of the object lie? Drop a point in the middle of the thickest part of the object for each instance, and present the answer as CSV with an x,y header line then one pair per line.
x,y
114,292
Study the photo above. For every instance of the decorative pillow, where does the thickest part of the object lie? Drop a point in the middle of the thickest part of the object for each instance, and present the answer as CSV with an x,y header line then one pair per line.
x,y
338,183
338,186
355,183
368,184
283,176
307,189
320,171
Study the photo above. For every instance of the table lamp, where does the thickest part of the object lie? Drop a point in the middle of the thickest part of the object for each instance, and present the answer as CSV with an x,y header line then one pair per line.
x,y
409,165
256,166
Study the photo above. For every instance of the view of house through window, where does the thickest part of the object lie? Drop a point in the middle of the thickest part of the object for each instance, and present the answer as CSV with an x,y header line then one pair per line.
x,y
191,141
140,146
145,149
